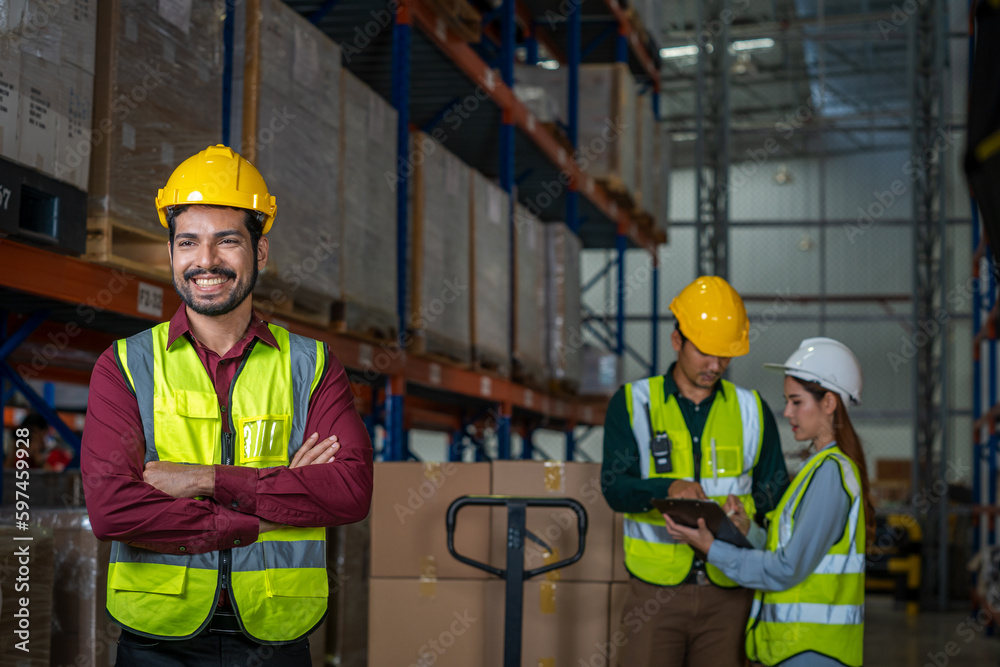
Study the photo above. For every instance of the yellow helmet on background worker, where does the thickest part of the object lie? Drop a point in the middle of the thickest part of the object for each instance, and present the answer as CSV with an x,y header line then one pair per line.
x,y
710,314
217,176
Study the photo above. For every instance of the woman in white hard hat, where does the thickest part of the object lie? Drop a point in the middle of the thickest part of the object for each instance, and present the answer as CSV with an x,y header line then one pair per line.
x,y
809,566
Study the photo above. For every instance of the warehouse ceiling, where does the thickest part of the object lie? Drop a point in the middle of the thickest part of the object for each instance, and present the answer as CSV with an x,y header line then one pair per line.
x,y
840,66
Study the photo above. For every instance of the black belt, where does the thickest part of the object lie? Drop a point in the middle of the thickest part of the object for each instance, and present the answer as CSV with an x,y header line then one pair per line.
x,y
224,622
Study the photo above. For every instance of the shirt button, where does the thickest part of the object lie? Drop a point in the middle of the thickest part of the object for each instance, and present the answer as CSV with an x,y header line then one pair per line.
x,y
237,542
236,503
223,408
223,361
183,548
696,439
697,408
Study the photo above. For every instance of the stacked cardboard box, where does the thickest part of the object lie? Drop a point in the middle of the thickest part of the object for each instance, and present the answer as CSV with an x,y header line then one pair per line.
x,y
600,371
542,91
647,137
157,101
425,606
440,299
562,300
529,299
47,86
491,275
607,139
297,141
368,263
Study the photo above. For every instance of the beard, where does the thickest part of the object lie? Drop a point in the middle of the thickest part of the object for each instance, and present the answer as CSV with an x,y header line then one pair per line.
x,y
238,293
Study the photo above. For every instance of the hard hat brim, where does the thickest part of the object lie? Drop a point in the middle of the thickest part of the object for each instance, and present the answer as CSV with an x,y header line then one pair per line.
x,y
806,376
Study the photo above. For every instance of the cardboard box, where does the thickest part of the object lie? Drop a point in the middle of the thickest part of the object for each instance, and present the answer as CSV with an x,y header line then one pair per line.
x,y
563,623
557,527
40,99
10,99
443,623
63,32
74,116
490,252
616,631
408,520
619,572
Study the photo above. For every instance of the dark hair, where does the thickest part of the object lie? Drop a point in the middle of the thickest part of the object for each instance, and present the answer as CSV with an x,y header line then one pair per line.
x,y
849,443
677,328
252,219
33,420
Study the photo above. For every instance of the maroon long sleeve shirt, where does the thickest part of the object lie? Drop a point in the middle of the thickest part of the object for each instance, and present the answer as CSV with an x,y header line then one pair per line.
x,y
125,508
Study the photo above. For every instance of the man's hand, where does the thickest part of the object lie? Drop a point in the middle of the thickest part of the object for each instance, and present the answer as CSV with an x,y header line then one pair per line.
x,y
315,450
179,480
680,488
700,538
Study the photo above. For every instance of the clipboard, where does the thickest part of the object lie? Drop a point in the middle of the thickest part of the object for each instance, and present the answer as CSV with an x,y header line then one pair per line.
x,y
687,512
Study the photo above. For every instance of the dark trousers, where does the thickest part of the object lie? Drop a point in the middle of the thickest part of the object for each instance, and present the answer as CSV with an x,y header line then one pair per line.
x,y
208,649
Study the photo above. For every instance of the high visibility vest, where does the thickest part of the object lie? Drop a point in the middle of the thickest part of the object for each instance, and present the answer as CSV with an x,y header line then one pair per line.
x,y
735,426
277,585
825,613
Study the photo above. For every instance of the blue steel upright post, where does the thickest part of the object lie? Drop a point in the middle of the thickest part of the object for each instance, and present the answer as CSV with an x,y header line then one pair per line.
x,y
508,14
394,395
573,57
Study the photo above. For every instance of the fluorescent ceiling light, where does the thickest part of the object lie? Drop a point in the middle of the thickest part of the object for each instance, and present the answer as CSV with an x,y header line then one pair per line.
x,y
679,51
753,44
549,64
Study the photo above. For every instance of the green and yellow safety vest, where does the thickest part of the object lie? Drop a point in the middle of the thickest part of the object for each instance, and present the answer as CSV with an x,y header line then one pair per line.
x,y
277,585
730,448
825,613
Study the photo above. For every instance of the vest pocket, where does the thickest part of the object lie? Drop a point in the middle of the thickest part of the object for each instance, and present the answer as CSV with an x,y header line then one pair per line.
x,y
148,578
296,582
190,420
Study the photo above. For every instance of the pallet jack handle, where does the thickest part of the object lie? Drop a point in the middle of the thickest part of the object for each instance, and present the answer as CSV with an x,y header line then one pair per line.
x,y
515,574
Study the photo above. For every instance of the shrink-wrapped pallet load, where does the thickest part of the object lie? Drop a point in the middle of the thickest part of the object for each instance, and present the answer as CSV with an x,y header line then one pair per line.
x,y
440,298
491,275
296,139
157,101
607,138
529,299
368,261
562,300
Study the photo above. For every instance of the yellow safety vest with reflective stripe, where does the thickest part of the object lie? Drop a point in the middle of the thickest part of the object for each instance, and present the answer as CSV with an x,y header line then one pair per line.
x,y
825,613
277,585
730,448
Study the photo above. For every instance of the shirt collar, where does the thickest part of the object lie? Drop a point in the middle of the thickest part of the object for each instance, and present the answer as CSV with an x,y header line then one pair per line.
x,y
670,385
179,324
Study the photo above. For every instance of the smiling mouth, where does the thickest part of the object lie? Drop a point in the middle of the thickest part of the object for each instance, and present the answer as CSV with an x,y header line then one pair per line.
x,y
205,281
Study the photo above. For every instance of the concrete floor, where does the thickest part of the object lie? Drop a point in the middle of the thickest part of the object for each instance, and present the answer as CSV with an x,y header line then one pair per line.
x,y
932,639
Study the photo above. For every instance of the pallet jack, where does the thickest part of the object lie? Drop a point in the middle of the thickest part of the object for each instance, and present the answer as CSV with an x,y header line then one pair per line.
x,y
515,574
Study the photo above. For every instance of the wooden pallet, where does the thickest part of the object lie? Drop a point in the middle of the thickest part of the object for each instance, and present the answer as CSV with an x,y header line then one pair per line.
x,y
530,375
488,361
618,192
122,246
560,136
363,323
461,17
440,349
564,388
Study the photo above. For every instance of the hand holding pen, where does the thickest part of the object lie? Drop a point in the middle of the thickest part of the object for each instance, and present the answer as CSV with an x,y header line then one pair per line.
x,y
737,513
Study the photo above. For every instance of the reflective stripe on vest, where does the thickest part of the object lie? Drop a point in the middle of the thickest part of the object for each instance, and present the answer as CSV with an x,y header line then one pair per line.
x,y
278,584
735,424
825,612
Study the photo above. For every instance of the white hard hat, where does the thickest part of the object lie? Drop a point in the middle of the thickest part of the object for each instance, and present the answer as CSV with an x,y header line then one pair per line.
x,y
827,362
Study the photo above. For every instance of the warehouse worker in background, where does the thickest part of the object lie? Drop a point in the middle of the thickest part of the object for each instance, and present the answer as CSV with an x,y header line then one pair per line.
x,y
218,447
688,434
809,566
40,454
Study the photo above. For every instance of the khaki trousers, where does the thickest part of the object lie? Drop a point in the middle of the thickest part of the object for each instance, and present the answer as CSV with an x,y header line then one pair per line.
x,y
682,626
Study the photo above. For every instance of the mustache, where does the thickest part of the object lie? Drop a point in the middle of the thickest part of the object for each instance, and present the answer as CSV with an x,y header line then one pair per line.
x,y
191,274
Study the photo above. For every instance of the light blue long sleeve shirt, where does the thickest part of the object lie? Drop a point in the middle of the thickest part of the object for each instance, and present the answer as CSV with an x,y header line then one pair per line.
x,y
819,523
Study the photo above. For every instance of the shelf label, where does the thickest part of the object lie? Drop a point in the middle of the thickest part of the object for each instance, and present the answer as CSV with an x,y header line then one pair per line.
x,y
562,157
365,354
441,30
590,185
4,197
488,79
532,123
485,386
434,374
150,300
529,398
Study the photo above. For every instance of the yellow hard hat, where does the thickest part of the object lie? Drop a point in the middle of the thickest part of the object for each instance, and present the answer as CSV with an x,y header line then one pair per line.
x,y
711,315
217,176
